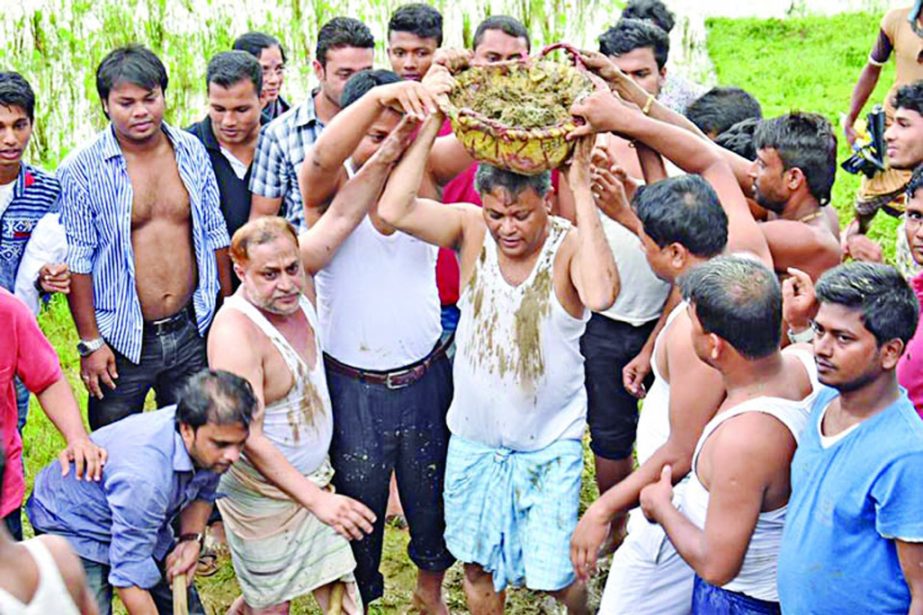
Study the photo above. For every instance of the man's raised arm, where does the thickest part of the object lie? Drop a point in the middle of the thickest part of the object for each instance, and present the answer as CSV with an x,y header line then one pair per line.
x,y
399,205
322,169
606,113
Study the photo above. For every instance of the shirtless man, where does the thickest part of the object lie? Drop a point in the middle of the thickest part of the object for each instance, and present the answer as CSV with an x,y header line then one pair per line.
x,y
684,221
729,525
147,244
286,454
517,417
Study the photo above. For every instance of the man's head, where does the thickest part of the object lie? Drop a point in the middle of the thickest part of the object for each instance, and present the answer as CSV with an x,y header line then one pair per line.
x,y
267,261
213,417
269,53
650,10
795,158
683,224
516,208
388,119
913,215
867,315
414,34
500,38
736,308
640,50
17,113
131,82
905,135
739,138
234,80
720,108
345,46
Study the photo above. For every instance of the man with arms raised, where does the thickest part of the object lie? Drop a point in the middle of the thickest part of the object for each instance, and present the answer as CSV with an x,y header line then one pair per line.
x,y
729,525
684,221
143,523
853,539
283,479
519,409
232,129
147,244
390,378
344,46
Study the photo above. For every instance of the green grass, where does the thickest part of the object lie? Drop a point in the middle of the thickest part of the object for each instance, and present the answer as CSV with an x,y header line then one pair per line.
x,y
807,63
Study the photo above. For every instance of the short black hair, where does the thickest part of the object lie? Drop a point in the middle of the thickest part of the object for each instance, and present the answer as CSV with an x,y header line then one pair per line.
x,y
215,396
739,138
342,32
683,210
360,83
805,141
15,91
133,64
231,67
890,309
910,96
506,24
915,183
738,299
630,34
650,10
721,107
418,19
255,42
489,177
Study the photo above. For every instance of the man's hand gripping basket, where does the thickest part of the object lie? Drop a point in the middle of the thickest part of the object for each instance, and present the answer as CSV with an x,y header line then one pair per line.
x,y
516,115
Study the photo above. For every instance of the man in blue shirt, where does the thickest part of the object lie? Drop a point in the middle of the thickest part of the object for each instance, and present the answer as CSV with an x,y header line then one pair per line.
x,y
147,244
853,539
27,194
161,465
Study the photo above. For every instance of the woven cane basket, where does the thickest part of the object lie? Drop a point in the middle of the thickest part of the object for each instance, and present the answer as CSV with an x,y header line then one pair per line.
x,y
524,150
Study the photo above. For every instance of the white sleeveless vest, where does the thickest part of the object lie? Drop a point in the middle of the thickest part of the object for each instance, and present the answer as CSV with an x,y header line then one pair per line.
x,y
300,424
51,595
519,379
757,576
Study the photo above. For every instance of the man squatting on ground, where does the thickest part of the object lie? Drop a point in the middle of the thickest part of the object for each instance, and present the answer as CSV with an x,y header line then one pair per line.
x,y
529,280
282,480
143,523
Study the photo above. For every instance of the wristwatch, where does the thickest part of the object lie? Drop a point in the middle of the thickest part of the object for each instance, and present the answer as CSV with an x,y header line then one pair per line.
x,y
801,337
88,347
198,537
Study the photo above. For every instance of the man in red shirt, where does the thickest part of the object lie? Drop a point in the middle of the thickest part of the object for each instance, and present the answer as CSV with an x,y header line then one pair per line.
x,y
25,352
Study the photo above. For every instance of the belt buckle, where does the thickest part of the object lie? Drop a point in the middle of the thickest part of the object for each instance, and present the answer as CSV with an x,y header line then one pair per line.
x,y
391,386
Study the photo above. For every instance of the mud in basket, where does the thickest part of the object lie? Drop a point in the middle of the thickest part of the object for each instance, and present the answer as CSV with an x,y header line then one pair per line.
x,y
516,115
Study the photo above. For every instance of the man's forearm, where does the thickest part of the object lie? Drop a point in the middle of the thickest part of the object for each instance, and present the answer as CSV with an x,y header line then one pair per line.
x,y
137,601
264,206
272,464
598,273
80,301
60,406
194,517
688,539
868,79
404,183
624,495
690,153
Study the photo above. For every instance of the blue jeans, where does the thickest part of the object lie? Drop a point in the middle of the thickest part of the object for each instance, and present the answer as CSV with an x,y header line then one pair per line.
x,y
708,599
167,361
101,590
377,430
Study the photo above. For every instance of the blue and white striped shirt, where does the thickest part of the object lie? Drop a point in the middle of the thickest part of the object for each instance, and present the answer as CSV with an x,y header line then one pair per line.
x,y
96,209
35,193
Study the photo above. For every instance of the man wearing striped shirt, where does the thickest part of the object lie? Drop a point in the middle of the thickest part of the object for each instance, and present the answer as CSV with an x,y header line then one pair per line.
x,y
147,244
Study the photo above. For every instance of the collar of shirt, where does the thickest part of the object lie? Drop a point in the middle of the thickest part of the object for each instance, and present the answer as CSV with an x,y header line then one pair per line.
x,y
306,112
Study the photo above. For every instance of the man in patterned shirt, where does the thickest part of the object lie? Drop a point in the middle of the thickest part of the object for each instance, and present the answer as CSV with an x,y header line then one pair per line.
x,y
344,46
140,191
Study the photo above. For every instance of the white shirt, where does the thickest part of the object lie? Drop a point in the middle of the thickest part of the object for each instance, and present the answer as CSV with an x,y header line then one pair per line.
x,y
6,196
48,244
239,168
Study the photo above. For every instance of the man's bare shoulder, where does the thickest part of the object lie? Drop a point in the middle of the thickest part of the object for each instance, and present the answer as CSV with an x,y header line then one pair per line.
x,y
232,328
752,438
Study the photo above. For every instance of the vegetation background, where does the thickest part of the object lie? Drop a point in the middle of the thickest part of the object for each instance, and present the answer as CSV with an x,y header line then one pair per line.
x,y
807,63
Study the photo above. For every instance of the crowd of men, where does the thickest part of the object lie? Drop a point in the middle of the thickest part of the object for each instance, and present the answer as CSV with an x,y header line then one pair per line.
x,y
332,295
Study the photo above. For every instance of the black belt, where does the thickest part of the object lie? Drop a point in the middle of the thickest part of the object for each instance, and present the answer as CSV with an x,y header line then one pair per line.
x,y
393,379
170,323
